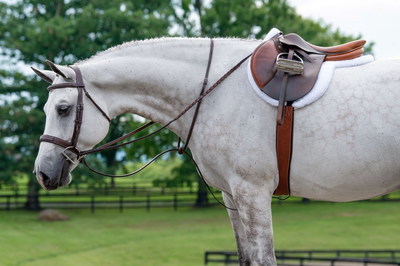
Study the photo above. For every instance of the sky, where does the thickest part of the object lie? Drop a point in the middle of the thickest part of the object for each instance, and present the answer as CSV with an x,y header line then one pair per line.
x,y
377,21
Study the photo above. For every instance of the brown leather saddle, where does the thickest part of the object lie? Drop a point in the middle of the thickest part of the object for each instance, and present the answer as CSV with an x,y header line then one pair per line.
x,y
286,68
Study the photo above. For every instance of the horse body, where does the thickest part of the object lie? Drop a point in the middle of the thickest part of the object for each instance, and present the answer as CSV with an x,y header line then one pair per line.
x,y
348,141
346,145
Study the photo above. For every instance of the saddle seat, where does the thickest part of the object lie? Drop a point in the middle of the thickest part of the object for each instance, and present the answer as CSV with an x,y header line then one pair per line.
x,y
340,52
269,79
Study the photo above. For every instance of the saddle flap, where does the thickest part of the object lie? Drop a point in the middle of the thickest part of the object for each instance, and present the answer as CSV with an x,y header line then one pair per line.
x,y
268,79
298,85
263,63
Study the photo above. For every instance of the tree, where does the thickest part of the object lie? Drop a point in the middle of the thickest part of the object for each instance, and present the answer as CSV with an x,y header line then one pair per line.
x,y
62,31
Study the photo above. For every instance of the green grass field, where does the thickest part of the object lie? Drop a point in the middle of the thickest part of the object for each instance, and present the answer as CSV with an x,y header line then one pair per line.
x,y
165,237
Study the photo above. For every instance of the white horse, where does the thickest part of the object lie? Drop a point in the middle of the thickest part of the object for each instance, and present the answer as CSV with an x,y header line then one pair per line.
x,y
346,145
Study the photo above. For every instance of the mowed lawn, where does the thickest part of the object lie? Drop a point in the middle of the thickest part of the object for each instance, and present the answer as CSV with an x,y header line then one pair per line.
x,y
165,237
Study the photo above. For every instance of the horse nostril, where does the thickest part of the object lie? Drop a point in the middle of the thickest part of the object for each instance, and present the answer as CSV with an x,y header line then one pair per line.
x,y
45,179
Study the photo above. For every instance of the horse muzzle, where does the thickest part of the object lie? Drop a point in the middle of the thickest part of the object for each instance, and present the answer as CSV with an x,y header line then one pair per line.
x,y
52,176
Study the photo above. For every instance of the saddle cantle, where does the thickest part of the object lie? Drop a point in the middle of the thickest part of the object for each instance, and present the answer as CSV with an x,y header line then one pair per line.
x,y
286,69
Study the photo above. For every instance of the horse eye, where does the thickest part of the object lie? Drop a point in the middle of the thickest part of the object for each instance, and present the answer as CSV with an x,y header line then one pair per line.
x,y
63,109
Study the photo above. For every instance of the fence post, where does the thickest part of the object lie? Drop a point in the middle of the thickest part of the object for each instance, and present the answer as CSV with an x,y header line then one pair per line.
x,y
92,205
8,203
175,202
121,202
148,203
134,189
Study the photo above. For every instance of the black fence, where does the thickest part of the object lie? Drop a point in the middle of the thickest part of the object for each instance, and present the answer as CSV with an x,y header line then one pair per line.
x,y
316,257
121,196
92,202
125,195
134,189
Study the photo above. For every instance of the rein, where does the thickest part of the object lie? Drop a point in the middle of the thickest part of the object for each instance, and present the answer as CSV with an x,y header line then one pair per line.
x,y
71,145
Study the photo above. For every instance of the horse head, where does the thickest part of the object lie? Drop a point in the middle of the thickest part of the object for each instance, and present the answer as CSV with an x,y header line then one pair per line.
x,y
73,124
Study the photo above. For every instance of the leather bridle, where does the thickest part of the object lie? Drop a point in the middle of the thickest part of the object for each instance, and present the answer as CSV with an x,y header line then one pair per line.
x,y
71,145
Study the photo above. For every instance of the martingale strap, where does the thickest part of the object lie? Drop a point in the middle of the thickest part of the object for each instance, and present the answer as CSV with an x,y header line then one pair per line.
x,y
181,150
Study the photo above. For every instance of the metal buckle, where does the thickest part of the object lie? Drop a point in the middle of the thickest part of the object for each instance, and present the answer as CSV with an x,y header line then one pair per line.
x,y
289,66
68,158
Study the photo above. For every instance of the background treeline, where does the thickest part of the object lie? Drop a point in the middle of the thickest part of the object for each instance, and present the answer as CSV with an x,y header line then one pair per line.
x,y
65,31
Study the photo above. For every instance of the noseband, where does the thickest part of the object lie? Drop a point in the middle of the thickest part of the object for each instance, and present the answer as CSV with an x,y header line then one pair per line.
x,y
71,145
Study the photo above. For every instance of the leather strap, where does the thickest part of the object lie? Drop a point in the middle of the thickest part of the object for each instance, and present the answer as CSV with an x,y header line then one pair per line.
x,y
71,145
109,147
78,118
284,143
284,136
79,84
181,150
95,104
58,141
282,95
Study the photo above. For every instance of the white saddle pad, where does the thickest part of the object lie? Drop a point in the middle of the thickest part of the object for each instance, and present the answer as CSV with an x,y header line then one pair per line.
x,y
323,80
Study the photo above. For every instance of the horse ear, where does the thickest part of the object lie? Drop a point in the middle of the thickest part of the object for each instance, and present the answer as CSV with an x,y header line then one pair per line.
x,y
63,71
46,75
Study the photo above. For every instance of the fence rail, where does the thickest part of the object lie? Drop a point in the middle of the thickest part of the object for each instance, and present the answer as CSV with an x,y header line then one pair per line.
x,y
93,202
125,188
316,257
126,195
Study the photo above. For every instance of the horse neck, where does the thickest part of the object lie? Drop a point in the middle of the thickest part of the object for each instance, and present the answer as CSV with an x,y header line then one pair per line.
x,y
157,79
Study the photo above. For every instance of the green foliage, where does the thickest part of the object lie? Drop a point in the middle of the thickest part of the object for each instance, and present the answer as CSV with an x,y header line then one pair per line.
x,y
182,175
62,31
160,169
